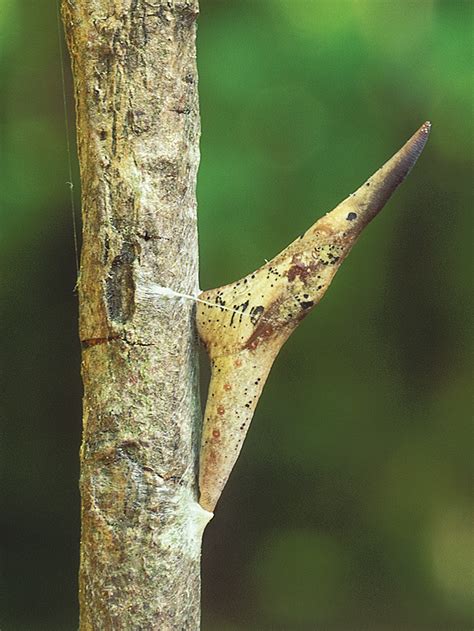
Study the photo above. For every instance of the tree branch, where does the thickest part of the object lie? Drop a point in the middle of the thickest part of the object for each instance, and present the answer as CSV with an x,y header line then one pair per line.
x,y
138,130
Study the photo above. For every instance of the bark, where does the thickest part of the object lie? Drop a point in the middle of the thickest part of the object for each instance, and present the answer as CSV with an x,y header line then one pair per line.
x,y
138,130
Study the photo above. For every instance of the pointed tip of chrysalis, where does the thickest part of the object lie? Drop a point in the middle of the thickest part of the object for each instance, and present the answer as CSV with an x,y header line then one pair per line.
x,y
371,197
426,127
399,166
413,148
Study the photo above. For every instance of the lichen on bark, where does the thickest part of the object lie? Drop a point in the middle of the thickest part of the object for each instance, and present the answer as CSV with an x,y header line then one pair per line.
x,y
135,80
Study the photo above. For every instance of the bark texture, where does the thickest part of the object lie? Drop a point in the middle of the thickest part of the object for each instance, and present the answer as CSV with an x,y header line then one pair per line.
x,y
138,132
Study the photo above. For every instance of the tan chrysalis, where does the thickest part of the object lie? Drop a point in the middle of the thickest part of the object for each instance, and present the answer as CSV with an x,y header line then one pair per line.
x,y
243,325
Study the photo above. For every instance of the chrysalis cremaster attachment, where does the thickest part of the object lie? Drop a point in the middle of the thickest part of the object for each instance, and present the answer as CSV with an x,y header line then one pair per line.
x,y
247,322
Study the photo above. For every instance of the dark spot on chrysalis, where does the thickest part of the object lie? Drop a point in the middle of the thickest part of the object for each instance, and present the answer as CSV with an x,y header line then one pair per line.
x,y
307,305
351,216
255,313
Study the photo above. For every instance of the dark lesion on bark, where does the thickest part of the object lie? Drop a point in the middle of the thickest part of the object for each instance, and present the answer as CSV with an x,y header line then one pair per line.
x,y
120,293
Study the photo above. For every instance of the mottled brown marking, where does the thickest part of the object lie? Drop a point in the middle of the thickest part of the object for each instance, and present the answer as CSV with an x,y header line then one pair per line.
x,y
262,332
298,270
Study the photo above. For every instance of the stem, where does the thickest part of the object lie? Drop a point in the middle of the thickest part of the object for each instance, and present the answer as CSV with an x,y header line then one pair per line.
x,y
138,131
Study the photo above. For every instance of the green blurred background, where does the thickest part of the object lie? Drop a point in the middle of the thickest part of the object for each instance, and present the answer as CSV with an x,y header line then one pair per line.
x,y
351,505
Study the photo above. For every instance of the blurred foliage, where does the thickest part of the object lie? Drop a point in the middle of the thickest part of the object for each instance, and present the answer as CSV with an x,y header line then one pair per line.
x,y
351,505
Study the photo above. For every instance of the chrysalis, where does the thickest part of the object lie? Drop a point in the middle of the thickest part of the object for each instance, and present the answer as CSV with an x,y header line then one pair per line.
x,y
243,325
